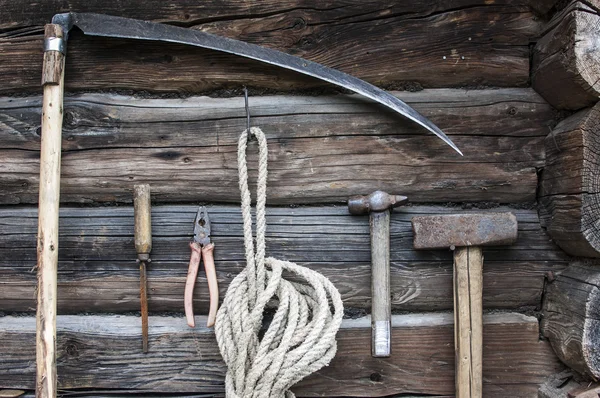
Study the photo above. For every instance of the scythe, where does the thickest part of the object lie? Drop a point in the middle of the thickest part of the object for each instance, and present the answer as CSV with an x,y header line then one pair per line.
x,y
55,44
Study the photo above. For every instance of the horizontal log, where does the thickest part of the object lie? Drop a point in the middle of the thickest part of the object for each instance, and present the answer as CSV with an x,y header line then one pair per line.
x,y
572,317
105,352
566,61
570,184
321,149
98,273
454,43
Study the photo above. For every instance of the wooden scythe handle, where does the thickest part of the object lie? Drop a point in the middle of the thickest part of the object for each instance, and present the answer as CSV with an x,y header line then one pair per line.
x,y
47,249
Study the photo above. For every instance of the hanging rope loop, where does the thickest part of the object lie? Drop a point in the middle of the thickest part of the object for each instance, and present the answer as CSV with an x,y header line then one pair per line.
x,y
300,338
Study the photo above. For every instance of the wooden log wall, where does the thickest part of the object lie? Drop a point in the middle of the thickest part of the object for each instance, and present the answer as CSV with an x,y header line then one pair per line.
x,y
98,273
170,116
321,149
187,360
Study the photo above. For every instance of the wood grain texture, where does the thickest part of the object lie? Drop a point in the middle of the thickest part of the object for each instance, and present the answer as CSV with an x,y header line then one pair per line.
x,y
381,296
572,317
468,321
451,43
566,60
49,199
98,272
102,352
570,184
321,149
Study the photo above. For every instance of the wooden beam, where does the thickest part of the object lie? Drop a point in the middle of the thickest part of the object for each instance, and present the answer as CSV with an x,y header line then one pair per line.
x,y
566,60
569,185
452,43
98,273
104,352
321,149
571,318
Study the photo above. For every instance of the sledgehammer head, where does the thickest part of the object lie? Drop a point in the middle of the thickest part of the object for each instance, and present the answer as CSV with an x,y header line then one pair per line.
x,y
460,230
377,201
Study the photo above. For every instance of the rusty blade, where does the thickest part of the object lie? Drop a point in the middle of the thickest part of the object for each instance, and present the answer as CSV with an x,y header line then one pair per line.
x,y
111,26
459,230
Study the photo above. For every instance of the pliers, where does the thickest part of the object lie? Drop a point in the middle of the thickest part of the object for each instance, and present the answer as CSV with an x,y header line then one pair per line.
x,y
201,247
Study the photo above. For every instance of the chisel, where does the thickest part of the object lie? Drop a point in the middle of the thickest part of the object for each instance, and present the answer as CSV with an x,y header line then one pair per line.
x,y
143,246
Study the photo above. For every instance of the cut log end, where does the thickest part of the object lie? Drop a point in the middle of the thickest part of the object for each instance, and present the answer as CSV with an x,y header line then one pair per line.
x,y
572,317
566,62
570,186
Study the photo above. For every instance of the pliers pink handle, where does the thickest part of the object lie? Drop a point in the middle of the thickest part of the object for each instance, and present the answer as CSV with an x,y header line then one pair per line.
x,y
201,248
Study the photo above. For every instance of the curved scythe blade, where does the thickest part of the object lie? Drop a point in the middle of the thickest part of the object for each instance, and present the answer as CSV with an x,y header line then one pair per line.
x,y
110,26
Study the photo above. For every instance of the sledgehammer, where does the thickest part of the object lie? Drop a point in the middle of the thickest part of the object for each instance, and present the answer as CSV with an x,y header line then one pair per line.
x,y
465,233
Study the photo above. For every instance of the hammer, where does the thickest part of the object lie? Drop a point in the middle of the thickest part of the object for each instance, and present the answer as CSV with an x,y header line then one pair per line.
x,y
378,205
465,233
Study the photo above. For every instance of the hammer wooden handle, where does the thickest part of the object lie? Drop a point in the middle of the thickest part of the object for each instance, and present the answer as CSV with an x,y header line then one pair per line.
x,y
47,249
381,316
468,321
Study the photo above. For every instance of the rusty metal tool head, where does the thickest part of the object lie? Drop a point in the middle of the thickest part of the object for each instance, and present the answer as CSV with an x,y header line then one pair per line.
x,y
378,206
461,230
111,26
202,248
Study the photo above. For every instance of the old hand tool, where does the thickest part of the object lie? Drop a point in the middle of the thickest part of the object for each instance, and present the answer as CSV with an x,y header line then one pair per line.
x,y
378,205
201,248
465,233
143,246
110,26
55,49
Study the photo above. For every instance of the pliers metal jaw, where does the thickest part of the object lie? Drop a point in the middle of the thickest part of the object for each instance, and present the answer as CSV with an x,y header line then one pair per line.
x,y
202,248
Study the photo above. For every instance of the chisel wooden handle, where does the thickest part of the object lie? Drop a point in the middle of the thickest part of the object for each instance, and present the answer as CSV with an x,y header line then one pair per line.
x,y
143,246
143,221
381,315
47,249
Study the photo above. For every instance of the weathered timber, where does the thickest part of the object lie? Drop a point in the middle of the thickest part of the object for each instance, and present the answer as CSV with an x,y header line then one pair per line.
x,y
543,7
452,43
571,318
98,272
321,149
570,184
103,352
566,60
568,384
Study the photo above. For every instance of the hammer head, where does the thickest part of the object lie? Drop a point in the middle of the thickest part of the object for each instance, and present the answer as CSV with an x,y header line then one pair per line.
x,y
460,230
377,201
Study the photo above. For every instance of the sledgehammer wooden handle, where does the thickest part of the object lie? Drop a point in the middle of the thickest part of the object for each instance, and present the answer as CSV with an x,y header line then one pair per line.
x,y
468,321
47,249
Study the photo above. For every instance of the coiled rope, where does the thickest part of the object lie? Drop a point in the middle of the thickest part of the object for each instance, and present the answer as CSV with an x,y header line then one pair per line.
x,y
300,338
